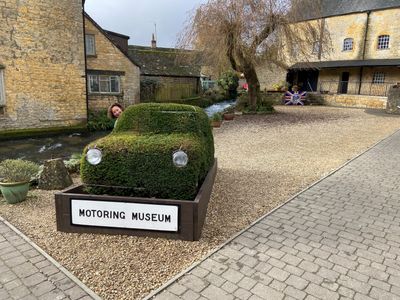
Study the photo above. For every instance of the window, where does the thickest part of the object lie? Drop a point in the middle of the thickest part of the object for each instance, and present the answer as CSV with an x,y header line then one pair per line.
x,y
316,47
348,44
379,77
383,42
90,44
106,84
2,91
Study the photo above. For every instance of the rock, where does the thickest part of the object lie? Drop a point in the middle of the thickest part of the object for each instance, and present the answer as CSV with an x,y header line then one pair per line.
x,y
54,176
393,101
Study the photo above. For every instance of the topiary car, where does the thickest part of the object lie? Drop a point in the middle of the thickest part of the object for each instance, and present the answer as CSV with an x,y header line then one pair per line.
x,y
155,150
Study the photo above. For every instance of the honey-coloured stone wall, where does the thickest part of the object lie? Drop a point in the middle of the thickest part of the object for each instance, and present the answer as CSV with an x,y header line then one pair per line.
x,y
109,58
42,51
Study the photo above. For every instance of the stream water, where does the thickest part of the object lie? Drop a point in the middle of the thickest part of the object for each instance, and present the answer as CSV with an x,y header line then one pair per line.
x,y
41,149
63,146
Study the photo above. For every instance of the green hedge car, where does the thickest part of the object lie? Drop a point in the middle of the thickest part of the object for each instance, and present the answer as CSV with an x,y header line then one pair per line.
x,y
155,150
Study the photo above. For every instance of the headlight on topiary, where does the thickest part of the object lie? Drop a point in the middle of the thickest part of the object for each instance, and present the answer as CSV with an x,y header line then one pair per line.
x,y
94,156
180,159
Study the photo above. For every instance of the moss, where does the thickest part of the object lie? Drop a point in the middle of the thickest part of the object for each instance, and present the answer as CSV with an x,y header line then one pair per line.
x,y
137,155
37,132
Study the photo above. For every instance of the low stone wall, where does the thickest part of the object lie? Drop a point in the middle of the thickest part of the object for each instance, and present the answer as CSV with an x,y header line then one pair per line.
x,y
362,101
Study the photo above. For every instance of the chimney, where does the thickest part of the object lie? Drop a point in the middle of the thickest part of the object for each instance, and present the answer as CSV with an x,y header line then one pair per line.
x,y
153,42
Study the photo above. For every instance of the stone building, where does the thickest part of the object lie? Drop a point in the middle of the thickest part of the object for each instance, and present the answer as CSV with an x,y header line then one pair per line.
x,y
111,74
42,66
362,60
175,75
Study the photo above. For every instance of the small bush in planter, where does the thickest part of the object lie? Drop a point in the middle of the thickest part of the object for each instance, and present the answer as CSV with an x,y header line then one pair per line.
x,y
15,175
145,155
17,170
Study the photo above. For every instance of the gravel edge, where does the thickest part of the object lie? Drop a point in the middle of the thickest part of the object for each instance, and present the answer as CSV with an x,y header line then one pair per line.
x,y
53,261
181,274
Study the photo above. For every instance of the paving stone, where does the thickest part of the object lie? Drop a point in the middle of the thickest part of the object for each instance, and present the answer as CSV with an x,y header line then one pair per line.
x,y
297,282
189,295
242,294
247,283
278,274
232,276
213,292
278,285
295,293
320,292
308,266
215,279
12,284
229,287
34,279
19,292
265,292
7,277
75,292
56,294
43,288
192,282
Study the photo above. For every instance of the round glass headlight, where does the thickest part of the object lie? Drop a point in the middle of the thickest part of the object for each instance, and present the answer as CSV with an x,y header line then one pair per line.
x,y
94,156
180,159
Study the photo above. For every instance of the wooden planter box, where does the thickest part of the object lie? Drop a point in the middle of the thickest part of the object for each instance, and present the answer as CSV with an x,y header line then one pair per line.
x,y
77,211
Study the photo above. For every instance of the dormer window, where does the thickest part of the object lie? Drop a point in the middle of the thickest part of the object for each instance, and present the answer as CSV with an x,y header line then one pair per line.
x,y
383,41
348,44
90,44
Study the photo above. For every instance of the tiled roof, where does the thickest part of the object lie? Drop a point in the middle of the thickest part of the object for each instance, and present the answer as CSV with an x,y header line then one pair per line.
x,y
342,7
164,61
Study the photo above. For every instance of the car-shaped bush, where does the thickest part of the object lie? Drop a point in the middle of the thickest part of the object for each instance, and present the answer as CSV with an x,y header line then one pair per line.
x,y
155,150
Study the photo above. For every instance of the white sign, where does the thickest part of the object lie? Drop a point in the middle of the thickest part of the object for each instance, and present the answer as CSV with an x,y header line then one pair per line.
x,y
125,215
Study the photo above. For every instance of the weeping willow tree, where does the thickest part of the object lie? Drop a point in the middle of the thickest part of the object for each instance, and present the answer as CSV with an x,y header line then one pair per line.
x,y
240,34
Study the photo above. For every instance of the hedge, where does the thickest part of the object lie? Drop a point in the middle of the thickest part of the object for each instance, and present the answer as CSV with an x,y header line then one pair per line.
x,y
137,155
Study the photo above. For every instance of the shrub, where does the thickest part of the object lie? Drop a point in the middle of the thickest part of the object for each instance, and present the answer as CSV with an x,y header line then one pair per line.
x,y
264,104
73,164
98,121
215,95
216,117
229,82
137,155
18,170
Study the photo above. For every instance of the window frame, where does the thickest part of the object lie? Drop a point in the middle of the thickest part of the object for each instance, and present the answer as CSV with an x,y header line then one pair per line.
x,y
2,89
93,37
383,42
107,82
346,44
378,78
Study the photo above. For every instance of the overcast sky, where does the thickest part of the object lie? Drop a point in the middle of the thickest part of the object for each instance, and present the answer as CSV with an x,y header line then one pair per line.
x,y
136,18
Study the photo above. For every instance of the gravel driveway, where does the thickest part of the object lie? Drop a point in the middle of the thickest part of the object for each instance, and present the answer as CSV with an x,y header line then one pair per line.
x,y
263,160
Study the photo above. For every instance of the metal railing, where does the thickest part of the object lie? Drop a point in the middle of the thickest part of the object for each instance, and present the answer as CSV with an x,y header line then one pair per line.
x,y
355,87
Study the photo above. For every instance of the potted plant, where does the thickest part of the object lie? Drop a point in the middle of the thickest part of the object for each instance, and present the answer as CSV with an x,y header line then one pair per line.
x,y
229,113
15,176
216,120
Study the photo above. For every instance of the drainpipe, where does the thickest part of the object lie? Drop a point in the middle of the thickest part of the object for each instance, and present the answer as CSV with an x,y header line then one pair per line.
x,y
364,47
84,47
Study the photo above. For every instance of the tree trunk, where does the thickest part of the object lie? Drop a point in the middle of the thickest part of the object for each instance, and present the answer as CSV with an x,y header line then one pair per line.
x,y
254,86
